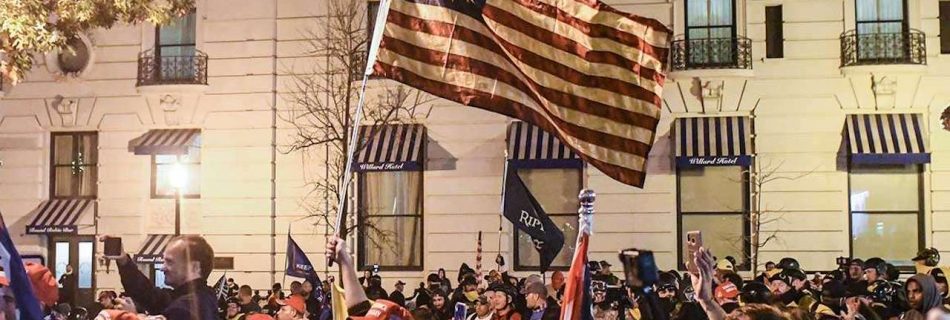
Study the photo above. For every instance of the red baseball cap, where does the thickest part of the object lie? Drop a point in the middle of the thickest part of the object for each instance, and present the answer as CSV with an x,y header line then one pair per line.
x,y
259,316
727,291
385,310
296,302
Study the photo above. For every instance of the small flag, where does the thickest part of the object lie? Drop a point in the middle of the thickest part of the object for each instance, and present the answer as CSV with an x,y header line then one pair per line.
x,y
222,286
576,304
26,302
524,211
339,304
478,259
298,265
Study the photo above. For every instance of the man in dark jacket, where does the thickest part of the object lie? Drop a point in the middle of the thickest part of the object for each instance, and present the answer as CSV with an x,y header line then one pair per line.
x,y
540,306
188,263
397,296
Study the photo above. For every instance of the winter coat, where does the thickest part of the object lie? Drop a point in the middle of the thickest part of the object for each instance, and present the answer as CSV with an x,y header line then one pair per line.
x,y
190,301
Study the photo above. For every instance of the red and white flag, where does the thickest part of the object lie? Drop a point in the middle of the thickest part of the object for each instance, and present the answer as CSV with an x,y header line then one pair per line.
x,y
580,69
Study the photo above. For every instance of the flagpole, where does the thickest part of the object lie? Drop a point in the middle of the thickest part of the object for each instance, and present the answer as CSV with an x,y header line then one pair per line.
x,y
501,209
357,118
286,259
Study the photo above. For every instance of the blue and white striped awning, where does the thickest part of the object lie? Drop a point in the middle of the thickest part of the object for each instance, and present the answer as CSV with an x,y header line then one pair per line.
x,y
58,216
165,141
153,249
531,147
713,141
894,138
394,147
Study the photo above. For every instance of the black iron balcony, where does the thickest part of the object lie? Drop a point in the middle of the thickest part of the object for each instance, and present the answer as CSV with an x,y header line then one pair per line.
x,y
861,49
714,53
179,69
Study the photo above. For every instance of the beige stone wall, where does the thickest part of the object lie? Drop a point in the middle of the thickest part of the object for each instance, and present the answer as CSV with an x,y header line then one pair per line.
x,y
799,104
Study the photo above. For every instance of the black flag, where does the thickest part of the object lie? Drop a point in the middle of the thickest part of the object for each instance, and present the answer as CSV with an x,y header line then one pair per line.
x,y
524,211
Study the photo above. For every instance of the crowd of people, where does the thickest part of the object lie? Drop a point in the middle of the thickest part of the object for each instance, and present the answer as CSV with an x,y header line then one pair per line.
x,y
859,289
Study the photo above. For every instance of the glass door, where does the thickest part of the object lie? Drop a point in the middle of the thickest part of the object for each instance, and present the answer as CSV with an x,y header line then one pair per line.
x,y
72,261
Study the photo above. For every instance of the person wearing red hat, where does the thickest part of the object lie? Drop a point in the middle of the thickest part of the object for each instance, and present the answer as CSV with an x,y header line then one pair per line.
x,y
188,263
292,308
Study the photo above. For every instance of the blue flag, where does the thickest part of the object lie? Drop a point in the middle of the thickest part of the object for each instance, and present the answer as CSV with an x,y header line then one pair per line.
x,y
298,265
26,301
524,211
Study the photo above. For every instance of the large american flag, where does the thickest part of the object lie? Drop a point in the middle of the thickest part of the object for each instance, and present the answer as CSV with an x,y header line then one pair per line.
x,y
580,69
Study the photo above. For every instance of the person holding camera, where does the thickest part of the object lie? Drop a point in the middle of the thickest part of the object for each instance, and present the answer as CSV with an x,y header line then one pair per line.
x,y
188,263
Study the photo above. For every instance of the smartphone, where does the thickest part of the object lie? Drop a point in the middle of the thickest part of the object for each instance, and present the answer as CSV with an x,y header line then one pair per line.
x,y
112,246
460,310
694,240
639,267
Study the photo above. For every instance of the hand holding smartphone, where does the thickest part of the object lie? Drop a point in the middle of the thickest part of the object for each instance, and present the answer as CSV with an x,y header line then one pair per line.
x,y
639,267
694,240
112,247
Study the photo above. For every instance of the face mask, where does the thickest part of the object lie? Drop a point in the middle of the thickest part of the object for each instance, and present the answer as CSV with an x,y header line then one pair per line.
x,y
667,305
471,295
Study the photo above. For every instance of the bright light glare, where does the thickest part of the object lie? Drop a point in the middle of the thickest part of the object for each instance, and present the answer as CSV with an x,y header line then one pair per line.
x,y
179,176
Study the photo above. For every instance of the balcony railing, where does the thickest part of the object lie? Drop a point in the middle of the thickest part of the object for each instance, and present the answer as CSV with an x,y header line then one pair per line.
x,y
714,53
859,49
161,70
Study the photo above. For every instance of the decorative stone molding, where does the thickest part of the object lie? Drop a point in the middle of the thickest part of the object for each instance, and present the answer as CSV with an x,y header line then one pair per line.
x,y
67,109
170,105
53,61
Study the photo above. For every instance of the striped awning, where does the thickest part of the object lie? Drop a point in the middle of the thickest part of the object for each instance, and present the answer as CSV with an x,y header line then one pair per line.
x,y
713,141
58,216
531,147
153,248
895,138
394,147
165,141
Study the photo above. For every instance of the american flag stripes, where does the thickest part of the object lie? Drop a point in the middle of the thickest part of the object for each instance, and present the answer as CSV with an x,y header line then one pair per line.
x,y
478,259
580,69
577,301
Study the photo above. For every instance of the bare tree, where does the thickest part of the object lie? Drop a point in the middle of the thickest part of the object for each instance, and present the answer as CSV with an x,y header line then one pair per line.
x,y
322,102
762,214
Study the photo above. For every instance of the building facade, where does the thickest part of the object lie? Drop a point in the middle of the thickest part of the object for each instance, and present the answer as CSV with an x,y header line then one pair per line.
x,y
824,115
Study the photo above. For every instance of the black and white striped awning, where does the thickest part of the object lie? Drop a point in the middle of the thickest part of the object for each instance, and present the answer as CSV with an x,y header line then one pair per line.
x,y
58,216
165,141
394,147
895,138
531,147
713,141
153,248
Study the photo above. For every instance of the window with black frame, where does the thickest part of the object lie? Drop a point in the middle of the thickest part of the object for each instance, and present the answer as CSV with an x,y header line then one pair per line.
x,y
881,27
714,200
175,49
390,219
74,169
886,211
556,190
389,164
711,33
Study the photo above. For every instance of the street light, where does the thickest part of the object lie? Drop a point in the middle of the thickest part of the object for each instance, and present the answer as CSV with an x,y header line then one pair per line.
x,y
178,179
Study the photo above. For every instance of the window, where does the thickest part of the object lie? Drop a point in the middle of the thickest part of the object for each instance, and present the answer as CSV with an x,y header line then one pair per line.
x,y
75,58
885,203
711,32
774,33
556,190
74,170
945,27
169,171
713,199
880,28
175,48
390,219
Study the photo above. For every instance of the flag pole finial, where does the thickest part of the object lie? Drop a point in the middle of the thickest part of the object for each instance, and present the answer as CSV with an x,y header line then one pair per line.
x,y
586,197
584,213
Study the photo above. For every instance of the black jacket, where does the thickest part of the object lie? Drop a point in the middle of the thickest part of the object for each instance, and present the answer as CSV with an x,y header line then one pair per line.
x,y
190,301
398,298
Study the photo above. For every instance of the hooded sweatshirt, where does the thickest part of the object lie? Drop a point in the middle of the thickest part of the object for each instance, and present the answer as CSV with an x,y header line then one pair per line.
x,y
932,297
